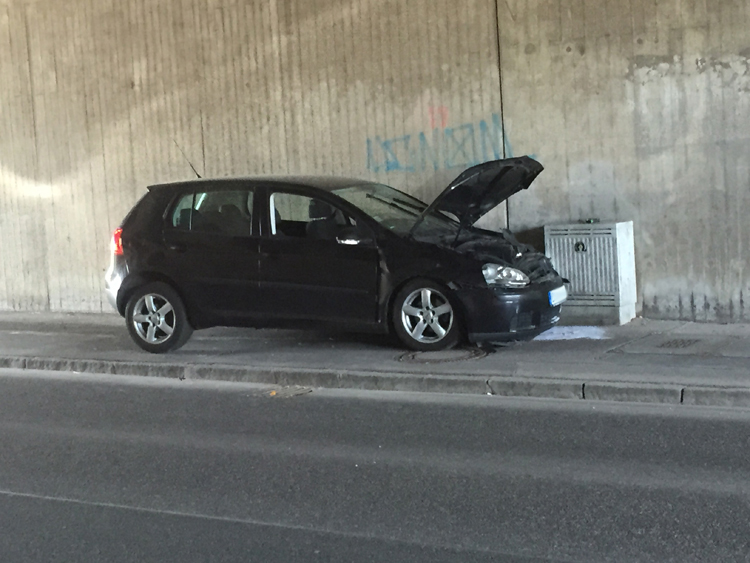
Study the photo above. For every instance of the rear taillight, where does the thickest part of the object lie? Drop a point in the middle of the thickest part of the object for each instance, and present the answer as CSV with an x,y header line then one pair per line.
x,y
117,242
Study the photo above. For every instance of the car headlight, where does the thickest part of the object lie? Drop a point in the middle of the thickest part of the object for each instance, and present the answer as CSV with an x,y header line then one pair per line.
x,y
504,276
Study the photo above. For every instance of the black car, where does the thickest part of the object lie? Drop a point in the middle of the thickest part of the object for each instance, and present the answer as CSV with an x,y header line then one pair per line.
x,y
297,251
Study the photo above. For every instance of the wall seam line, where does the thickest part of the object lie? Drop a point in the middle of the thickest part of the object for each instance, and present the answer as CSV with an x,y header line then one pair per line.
x,y
502,106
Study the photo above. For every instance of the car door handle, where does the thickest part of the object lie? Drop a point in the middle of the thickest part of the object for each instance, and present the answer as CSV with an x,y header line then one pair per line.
x,y
177,247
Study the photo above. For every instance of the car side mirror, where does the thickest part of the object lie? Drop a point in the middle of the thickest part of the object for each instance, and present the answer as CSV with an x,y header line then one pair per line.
x,y
351,236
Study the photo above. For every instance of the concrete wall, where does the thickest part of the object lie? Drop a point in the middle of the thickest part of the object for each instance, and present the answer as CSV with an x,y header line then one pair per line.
x,y
639,110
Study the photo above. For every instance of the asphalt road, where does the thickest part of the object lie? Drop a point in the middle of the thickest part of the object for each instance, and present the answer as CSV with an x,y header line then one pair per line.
x,y
133,469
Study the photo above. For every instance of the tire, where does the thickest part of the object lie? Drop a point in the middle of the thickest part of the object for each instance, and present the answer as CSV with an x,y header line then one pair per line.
x,y
425,316
156,318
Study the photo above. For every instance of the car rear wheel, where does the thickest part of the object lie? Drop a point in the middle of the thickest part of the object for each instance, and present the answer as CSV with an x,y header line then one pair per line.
x,y
424,318
156,318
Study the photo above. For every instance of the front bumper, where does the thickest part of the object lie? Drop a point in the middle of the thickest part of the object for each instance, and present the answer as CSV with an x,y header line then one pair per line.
x,y
494,314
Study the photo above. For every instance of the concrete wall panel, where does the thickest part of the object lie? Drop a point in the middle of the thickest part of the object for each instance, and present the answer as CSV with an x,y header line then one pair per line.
x,y
98,94
638,109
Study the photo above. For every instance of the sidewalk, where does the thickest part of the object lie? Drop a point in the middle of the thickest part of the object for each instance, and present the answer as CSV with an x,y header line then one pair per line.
x,y
644,361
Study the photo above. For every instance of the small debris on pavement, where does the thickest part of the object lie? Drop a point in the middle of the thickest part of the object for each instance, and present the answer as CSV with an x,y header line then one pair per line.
x,y
288,392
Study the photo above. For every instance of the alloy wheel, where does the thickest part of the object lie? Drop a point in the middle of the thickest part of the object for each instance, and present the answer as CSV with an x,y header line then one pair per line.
x,y
154,318
427,315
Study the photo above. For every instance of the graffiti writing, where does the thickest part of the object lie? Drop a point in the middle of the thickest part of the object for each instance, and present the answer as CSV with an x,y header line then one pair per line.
x,y
438,112
442,148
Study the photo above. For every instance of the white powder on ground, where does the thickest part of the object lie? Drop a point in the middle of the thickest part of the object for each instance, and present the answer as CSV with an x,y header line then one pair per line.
x,y
574,333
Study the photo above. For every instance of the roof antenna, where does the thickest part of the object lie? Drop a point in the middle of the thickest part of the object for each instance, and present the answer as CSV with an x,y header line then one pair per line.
x,y
187,159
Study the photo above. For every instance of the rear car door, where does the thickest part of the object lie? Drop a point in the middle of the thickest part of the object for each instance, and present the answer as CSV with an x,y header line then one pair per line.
x,y
212,249
309,269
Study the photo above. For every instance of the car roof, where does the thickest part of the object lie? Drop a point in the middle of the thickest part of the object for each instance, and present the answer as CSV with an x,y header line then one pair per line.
x,y
326,183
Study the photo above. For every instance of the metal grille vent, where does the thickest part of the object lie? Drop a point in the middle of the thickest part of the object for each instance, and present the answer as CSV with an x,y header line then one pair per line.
x,y
679,343
582,230
589,262
598,259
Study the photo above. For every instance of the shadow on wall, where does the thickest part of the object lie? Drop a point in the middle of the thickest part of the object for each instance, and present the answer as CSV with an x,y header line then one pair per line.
x,y
533,237
120,80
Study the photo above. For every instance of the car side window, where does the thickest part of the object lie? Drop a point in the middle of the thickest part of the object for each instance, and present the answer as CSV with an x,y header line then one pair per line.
x,y
227,212
181,214
294,215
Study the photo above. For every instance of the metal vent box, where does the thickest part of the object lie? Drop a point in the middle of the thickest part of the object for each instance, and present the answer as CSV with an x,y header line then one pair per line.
x,y
599,261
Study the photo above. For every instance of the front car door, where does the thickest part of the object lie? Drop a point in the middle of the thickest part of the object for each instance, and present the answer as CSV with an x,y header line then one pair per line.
x,y
310,267
212,249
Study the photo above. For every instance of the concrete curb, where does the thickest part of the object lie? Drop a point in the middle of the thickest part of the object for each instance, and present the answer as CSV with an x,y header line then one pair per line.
x,y
634,393
510,386
332,379
721,397
533,387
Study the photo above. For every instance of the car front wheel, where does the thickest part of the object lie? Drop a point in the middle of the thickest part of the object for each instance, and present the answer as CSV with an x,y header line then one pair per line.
x,y
156,318
424,318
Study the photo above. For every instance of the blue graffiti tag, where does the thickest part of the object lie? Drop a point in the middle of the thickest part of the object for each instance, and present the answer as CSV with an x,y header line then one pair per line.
x,y
448,148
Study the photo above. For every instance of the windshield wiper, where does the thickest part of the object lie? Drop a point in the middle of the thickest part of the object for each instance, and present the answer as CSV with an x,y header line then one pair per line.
x,y
422,207
394,205
419,208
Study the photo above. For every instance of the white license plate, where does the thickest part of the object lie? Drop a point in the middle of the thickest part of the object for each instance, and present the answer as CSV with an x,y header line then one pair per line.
x,y
557,296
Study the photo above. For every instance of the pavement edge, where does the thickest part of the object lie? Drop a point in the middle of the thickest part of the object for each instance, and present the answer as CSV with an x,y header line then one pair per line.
x,y
500,385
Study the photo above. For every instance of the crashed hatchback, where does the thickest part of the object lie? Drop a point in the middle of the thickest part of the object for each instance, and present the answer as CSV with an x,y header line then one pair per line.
x,y
306,251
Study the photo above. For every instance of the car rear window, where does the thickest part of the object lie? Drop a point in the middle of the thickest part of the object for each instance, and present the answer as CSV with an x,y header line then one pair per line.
x,y
145,204
226,212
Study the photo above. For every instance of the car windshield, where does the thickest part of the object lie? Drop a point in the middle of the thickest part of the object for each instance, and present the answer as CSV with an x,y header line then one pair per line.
x,y
397,211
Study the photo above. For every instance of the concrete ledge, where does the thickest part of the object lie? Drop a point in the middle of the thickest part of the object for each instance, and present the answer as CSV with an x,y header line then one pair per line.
x,y
336,379
507,386
634,393
717,397
527,387
333,379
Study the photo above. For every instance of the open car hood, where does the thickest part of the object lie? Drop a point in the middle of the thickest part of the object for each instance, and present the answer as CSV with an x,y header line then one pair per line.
x,y
479,189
